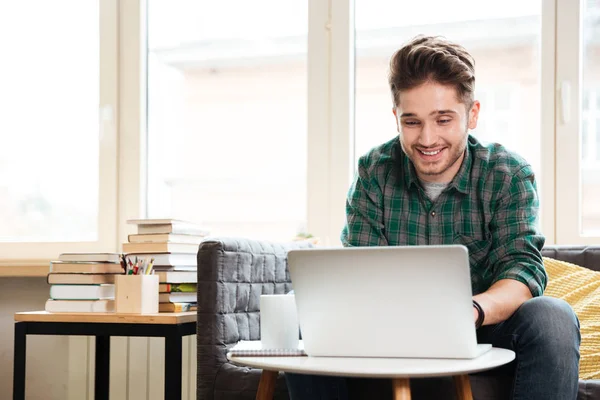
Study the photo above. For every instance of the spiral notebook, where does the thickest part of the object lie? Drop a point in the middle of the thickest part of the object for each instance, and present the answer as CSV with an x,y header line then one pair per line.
x,y
253,348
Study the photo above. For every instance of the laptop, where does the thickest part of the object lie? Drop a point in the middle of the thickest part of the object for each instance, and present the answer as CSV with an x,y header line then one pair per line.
x,y
393,301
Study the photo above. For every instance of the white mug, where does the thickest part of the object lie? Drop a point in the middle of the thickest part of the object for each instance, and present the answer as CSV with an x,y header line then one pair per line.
x,y
279,328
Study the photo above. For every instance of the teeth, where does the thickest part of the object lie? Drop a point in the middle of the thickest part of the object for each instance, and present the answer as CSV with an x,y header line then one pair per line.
x,y
430,153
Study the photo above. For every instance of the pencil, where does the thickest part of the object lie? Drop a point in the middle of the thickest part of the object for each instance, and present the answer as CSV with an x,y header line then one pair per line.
x,y
149,269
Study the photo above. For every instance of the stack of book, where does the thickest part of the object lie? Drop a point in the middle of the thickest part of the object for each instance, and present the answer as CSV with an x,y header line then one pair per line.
x,y
171,246
83,282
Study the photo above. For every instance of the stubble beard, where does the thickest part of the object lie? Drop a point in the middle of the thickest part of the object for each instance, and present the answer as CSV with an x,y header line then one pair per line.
x,y
433,171
453,159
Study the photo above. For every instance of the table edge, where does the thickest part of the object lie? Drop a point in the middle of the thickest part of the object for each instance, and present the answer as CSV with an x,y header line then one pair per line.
x,y
236,361
107,318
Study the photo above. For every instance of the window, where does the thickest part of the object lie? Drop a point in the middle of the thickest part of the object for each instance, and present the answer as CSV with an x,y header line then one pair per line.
x,y
225,149
240,106
227,115
55,158
590,129
577,157
503,38
590,135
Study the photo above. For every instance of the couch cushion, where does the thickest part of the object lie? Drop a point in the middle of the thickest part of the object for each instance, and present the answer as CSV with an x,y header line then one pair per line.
x,y
580,287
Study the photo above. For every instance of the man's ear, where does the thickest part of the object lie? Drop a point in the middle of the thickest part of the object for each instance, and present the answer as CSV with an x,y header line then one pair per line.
x,y
474,114
396,119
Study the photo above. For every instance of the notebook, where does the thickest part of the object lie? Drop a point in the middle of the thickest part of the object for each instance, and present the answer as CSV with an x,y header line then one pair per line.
x,y
253,348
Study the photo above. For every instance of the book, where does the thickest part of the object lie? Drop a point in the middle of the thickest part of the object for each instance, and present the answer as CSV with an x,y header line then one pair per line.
x,y
82,292
167,259
254,348
90,257
177,276
174,268
165,238
184,248
177,297
150,226
85,267
178,287
80,305
79,279
177,307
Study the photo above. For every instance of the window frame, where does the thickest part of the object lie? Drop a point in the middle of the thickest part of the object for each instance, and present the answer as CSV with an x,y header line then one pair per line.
x,y
342,12
38,253
330,113
569,122
330,136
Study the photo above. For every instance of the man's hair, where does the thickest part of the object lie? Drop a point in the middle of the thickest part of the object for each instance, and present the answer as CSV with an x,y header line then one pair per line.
x,y
432,59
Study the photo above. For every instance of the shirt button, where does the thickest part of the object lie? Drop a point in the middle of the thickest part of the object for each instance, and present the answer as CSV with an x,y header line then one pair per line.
x,y
433,213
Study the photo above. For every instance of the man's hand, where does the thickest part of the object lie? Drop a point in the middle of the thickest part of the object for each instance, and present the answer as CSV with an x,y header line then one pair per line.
x,y
501,300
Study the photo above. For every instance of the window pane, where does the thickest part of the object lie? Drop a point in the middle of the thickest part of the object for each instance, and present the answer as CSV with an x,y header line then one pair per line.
x,y
227,115
585,148
49,151
590,166
503,37
598,140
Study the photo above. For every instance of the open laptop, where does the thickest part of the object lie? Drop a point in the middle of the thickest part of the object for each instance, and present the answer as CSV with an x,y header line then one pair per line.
x,y
395,301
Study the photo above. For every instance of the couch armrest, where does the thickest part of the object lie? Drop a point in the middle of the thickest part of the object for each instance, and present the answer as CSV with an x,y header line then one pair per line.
x,y
232,274
584,256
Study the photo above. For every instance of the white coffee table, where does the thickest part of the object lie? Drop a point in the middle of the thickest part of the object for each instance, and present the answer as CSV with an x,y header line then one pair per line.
x,y
400,370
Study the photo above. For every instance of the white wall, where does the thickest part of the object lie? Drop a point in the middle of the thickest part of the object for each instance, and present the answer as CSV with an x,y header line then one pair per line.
x,y
62,367
47,356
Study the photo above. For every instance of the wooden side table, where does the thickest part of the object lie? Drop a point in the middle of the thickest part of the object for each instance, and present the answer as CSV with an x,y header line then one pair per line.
x,y
171,326
400,370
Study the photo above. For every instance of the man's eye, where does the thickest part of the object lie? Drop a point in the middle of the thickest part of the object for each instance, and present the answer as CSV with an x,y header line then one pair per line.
x,y
411,123
444,121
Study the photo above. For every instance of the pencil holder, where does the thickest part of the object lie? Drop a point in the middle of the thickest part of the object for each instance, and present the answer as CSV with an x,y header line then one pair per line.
x,y
136,294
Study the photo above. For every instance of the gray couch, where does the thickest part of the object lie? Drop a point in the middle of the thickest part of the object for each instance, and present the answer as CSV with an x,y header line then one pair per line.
x,y
233,273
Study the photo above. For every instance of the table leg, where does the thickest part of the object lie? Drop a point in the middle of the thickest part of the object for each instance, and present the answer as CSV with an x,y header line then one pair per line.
x,y
173,361
102,374
463,387
266,386
401,389
19,361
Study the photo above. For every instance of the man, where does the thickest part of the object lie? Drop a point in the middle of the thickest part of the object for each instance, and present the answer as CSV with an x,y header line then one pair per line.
x,y
436,184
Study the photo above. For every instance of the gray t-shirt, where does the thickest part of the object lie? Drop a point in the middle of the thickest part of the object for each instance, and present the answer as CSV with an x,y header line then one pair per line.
x,y
434,189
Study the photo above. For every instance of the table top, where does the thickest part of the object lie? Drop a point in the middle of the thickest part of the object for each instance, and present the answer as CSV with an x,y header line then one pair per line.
x,y
159,318
379,367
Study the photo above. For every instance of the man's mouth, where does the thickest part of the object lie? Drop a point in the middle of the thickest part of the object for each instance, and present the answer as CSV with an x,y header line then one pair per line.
x,y
430,153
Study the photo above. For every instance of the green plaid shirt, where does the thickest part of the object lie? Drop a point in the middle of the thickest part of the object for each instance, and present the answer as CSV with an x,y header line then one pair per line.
x,y
491,207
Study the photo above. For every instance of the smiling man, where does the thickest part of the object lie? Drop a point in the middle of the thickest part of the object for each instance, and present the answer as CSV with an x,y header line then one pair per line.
x,y
435,184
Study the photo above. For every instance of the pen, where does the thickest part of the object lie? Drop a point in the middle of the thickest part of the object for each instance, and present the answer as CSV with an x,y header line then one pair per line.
x,y
149,269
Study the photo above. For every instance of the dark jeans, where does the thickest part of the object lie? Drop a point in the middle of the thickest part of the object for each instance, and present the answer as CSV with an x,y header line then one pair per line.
x,y
543,332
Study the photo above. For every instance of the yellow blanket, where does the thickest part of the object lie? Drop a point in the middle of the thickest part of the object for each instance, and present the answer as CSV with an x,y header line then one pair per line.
x,y
580,287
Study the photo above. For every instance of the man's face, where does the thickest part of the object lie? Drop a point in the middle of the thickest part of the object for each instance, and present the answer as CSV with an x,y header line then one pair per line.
x,y
433,126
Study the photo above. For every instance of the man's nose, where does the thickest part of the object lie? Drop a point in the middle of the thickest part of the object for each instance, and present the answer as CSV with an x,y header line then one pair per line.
x,y
428,136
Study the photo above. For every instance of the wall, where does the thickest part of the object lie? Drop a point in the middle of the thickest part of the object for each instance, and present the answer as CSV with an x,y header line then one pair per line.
x,y
137,368
47,356
62,367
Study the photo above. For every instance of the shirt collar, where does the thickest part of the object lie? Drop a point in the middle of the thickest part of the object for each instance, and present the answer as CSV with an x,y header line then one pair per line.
x,y
461,181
